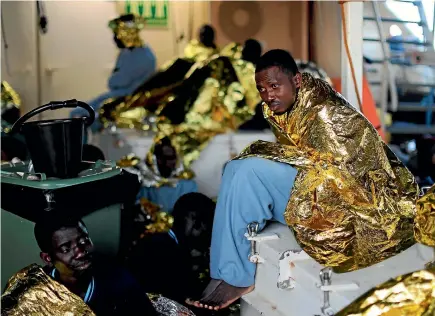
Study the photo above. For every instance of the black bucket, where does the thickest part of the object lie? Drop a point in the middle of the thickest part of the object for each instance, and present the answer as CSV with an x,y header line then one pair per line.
x,y
55,146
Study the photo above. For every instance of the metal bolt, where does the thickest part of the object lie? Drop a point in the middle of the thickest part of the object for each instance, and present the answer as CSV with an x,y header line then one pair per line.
x,y
252,232
325,279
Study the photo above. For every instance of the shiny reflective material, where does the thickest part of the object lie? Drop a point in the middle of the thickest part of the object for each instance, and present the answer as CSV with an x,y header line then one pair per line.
x,y
353,201
212,94
425,220
167,307
225,96
407,295
139,110
161,222
148,172
198,52
9,97
128,31
32,292
10,106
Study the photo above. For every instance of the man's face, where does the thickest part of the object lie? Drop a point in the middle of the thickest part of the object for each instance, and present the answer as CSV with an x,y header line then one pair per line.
x,y
71,250
167,161
278,89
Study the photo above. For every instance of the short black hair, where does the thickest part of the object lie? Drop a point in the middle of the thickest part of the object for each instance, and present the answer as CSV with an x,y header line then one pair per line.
x,y
126,17
164,142
251,50
48,225
199,204
278,58
207,29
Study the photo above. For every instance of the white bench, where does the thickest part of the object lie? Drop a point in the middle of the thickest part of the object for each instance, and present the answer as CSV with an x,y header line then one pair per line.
x,y
303,295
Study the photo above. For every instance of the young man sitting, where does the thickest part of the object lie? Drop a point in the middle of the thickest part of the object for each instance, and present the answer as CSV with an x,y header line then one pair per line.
x,y
348,199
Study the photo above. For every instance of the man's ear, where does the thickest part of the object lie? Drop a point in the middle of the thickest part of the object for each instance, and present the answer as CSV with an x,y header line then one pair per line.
x,y
46,258
297,79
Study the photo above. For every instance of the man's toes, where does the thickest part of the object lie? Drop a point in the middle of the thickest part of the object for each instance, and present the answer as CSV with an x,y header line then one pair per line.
x,y
194,303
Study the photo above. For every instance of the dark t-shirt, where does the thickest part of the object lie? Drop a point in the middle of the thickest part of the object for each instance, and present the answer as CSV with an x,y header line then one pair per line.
x,y
162,266
116,292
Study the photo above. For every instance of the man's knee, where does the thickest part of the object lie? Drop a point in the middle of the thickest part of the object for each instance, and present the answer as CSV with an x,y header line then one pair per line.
x,y
252,164
262,168
241,166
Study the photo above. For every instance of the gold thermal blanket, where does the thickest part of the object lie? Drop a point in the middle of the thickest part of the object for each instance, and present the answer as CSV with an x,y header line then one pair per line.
x,y
9,98
425,219
353,202
151,97
197,51
148,171
218,88
128,31
412,294
10,106
31,292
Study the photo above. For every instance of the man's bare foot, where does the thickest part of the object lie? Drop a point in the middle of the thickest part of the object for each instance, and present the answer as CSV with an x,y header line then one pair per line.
x,y
219,295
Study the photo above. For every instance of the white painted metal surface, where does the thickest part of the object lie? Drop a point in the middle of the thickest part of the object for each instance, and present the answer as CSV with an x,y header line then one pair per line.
x,y
354,25
307,296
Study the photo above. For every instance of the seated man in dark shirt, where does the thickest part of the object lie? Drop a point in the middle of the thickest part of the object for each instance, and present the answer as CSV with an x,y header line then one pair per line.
x,y
67,250
180,258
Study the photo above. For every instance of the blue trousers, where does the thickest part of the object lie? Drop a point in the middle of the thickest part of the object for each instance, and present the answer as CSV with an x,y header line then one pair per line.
x,y
252,190
166,196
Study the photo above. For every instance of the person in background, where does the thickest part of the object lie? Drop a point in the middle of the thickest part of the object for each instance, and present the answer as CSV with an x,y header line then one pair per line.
x,y
251,51
135,64
162,174
166,165
188,243
67,251
193,222
204,47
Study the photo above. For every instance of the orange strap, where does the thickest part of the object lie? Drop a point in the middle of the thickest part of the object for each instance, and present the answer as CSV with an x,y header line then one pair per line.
x,y
346,45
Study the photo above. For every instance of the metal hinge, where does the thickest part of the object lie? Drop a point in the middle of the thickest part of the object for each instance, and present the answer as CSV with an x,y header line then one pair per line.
x,y
327,287
253,237
286,263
